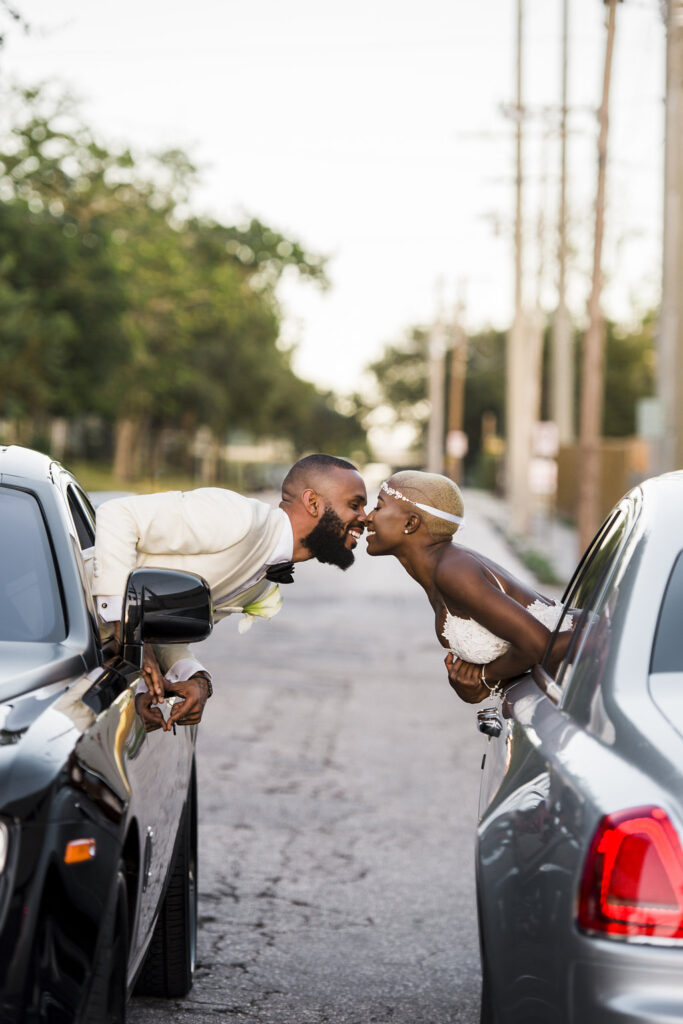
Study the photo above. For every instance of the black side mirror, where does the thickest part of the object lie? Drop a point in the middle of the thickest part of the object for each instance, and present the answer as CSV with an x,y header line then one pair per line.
x,y
163,606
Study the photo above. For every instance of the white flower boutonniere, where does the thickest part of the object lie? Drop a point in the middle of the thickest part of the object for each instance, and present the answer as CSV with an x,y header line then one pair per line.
x,y
264,608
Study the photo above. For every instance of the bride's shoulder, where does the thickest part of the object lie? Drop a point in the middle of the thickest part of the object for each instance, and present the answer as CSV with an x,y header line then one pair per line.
x,y
456,566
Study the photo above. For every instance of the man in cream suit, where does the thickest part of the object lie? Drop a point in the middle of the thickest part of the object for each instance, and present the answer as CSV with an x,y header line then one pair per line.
x,y
235,543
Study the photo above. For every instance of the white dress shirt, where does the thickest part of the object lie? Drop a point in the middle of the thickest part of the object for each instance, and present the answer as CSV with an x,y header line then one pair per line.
x,y
109,608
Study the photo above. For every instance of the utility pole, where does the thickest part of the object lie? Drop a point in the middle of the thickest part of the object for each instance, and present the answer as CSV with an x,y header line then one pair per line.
x,y
670,361
518,420
536,320
592,383
456,441
437,386
562,387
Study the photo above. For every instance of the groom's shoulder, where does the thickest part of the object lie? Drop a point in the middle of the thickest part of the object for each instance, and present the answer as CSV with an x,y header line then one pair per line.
x,y
222,501
224,496
216,507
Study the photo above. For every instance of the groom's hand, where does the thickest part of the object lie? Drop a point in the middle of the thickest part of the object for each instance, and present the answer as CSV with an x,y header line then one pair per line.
x,y
149,714
195,692
465,678
152,674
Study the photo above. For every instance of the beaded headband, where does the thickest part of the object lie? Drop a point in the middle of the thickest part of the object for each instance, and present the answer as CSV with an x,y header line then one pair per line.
x,y
425,508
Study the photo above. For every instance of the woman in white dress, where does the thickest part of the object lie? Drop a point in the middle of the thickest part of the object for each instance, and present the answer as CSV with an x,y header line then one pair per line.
x,y
494,626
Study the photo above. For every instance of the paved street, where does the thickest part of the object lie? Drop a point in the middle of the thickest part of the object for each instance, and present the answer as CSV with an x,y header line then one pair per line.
x,y
338,782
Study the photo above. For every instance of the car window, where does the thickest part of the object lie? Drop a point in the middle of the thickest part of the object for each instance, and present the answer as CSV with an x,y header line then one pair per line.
x,y
30,601
82,515
667,651
591,600
590,552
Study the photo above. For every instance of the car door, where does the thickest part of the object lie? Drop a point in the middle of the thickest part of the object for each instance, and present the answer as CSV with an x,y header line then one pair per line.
x,y
582,601
146,778
149,773
528,811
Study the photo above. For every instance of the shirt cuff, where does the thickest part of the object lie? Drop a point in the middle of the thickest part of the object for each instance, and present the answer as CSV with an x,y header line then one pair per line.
x,y
109,608
178,673
181,671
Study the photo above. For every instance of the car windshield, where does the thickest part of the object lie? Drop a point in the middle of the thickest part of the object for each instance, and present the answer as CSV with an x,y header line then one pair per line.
x,y
30,603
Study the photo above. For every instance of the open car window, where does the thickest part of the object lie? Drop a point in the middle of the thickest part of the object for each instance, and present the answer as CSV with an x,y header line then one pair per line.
x,y
592,598
31,607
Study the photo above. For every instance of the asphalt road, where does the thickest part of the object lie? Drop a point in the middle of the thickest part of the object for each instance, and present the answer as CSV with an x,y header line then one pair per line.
x,y
338,778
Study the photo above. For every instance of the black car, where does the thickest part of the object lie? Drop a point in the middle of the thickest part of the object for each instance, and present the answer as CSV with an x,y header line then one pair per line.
x,y
98,825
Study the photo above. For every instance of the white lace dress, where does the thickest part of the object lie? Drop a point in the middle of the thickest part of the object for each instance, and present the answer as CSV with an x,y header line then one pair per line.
x,y
472,642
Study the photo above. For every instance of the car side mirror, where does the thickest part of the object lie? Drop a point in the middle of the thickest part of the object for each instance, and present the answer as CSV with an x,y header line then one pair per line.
x,y
163,606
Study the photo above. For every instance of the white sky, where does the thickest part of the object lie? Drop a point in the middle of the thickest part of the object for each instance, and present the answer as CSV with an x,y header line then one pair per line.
x,y
372,132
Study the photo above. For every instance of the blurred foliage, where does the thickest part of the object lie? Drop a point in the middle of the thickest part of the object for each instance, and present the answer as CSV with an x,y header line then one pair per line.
x,y
484,393
630,373
401,379
402,374
10,15
114,301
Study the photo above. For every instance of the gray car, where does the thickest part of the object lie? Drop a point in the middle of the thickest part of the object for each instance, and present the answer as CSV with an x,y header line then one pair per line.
x,y
580,838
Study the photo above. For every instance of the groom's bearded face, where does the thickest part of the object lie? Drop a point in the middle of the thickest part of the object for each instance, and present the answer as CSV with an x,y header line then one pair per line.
x,y
327,540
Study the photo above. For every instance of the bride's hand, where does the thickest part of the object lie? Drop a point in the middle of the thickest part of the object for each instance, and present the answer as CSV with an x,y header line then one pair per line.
x,y
465,678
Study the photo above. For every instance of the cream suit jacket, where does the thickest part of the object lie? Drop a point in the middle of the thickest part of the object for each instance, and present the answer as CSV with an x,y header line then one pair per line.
x,y
217,533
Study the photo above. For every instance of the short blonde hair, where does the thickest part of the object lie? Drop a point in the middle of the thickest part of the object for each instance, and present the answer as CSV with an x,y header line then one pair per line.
x,y
432,489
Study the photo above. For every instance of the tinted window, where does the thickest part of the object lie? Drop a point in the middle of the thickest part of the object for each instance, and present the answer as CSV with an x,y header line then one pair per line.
x,y
591,600
30,602
667,653
79,514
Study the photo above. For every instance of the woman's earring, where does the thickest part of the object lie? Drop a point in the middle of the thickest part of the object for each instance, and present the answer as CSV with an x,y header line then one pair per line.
x,y
406,530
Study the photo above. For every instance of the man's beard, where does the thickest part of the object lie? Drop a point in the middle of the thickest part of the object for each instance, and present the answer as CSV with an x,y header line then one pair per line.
x,y
326,541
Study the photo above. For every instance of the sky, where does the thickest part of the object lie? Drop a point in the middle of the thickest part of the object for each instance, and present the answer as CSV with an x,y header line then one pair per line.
x,y
374,132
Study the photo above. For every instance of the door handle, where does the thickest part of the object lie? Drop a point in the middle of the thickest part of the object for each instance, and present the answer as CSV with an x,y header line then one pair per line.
x,y
147,858
489,722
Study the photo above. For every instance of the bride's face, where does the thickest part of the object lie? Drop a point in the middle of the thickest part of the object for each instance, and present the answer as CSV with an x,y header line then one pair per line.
x,y
385,524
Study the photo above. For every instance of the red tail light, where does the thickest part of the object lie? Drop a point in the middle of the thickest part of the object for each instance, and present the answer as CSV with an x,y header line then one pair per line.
x,y
633,879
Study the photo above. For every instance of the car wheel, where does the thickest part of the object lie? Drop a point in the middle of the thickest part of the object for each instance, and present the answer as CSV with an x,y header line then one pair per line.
x,y
486,1014
108,992
168,968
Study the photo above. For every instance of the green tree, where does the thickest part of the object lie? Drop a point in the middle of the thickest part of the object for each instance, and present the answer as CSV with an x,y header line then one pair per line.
x,y
10,15
402,375
401,379
113,300
57,265
203,324
630,373
484,395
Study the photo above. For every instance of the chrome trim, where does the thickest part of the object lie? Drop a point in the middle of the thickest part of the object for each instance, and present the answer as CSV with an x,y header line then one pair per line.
x,y
547,684
4,845
632,940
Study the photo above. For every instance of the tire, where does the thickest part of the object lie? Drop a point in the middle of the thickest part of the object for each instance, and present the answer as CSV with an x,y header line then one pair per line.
x,y
106,1003
486,1013
168,967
